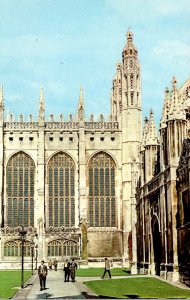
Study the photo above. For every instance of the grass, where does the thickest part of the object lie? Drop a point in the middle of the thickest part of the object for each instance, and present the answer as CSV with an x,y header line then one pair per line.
x,y
136,288
97,272
10,281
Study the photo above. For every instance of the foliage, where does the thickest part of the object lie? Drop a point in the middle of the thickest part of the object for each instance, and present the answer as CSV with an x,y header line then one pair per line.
x,y
10,282
136,288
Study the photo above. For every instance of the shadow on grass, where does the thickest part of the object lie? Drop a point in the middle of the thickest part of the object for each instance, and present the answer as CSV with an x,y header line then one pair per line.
x,y
132,296
127,296
127,271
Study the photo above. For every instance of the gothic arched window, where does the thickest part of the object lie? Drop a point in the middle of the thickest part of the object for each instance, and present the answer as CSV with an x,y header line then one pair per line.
x,y
61,182
63,248
101,200
13,248
20,190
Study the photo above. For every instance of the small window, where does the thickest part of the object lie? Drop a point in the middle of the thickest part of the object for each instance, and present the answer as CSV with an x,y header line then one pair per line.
x,y
91,138
112,138
61,138
51,138
21,138
31,138
102,138
11,139
71,139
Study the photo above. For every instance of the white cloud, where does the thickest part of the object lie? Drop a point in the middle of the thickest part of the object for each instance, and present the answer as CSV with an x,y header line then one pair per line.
x,y
171,49
149,8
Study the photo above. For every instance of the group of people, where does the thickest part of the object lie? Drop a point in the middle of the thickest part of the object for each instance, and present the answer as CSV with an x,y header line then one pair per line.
x,y
69,269
53,263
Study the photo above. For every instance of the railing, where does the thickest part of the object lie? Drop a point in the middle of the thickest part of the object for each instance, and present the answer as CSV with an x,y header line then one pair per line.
x,y
21,125
62,125
101,125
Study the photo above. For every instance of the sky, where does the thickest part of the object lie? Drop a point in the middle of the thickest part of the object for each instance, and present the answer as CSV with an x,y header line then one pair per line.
x,y
63,44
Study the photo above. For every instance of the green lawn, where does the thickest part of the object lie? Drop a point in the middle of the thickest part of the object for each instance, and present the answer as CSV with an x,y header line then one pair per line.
x,y
136,288
10,281
97,272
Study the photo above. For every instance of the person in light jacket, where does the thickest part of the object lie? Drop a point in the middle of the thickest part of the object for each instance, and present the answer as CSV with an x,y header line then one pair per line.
x,y
107,268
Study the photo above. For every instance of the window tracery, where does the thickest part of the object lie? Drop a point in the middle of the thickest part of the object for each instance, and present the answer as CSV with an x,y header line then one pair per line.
x,y
61,181
63,248
20,190
14,248
102,200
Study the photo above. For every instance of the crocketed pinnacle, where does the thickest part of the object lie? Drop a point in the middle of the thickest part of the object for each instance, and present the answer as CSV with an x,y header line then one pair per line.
x,y
166,108
152,137
176,111
145,131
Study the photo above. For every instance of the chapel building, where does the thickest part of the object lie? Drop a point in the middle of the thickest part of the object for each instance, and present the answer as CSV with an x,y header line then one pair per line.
x,y
70,183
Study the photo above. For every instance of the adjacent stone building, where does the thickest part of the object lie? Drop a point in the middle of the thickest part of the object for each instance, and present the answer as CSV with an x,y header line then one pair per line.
x,y
71,182
162,195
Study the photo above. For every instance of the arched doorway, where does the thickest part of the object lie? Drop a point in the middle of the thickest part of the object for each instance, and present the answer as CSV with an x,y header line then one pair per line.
x,y
156,244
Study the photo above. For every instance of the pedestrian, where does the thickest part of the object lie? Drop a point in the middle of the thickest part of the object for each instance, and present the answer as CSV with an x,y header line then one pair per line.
x,y
107,268
73,268
66,269
42,273
50,263
55,263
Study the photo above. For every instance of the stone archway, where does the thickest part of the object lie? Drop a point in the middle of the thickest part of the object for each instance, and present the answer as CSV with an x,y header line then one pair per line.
x,y
156,239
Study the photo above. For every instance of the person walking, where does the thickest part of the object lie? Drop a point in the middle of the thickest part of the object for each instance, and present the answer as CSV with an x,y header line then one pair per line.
x,y
55,263
66,269
73,268
50,263
107,268
42,273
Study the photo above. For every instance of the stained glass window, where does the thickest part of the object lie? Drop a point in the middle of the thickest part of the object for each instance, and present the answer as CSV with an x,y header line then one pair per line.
x,y
61,180
102,201
20,190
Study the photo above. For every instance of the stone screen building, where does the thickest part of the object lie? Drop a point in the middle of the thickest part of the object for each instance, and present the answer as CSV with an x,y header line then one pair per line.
x,y
162,195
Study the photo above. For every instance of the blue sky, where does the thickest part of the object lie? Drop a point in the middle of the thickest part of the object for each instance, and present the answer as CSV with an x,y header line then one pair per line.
x,y
65,43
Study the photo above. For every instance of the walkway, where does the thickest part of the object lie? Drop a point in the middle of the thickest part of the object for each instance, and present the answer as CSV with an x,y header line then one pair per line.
x,y
56,288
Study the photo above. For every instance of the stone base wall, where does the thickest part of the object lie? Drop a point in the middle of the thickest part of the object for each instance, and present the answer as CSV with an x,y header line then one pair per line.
x,y
104,244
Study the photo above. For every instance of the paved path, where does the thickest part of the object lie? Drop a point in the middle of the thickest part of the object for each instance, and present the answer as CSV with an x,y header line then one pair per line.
x,y
58,289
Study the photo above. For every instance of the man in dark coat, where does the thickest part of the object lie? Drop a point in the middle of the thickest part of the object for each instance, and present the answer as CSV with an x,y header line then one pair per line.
x,y
66,269
42,273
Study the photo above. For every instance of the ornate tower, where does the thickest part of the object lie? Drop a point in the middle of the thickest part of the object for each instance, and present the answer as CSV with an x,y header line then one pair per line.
x,y
131,122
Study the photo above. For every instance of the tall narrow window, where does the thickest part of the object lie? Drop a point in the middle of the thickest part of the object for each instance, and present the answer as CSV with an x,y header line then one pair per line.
x,y
102,201
20,190
61,180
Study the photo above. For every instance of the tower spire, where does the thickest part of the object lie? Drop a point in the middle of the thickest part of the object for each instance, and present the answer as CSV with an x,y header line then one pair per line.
x,y
80,110
81,98
129,35
1,98
41,105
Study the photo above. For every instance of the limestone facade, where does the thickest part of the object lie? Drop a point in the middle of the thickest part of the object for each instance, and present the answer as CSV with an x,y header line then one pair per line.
x,y
71,182
159,201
